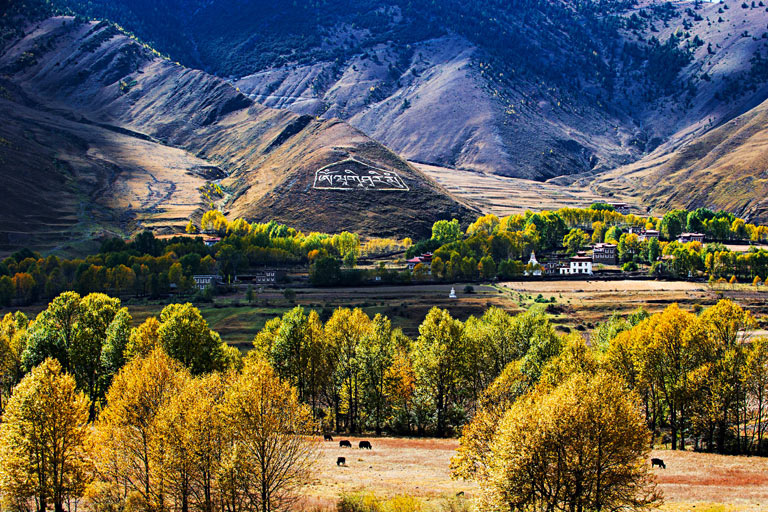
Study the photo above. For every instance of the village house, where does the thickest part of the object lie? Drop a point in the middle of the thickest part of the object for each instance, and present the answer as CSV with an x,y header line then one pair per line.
x,y
211,241
647,234
425,259
203,281
604,253
579,264
622,208
267,276
685,238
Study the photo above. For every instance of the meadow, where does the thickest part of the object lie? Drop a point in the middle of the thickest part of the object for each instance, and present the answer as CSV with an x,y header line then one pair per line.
x,y
578,305
421,468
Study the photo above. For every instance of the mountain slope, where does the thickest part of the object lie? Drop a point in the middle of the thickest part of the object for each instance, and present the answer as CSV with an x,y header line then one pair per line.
x,y
727,168
90,83
528,88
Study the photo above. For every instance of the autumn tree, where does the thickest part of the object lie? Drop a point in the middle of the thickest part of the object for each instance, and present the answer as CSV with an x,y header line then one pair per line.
x,y
41,441
143,339
582,446
271,430
668,359
191,429
127,444
724,329
344,332
13,339
755,377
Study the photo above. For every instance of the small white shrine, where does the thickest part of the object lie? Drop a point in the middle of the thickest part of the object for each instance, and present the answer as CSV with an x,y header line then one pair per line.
x,y
534,265
452,295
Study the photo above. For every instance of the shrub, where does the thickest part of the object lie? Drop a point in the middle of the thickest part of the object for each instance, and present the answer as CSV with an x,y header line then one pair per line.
x,y
358,502
630,266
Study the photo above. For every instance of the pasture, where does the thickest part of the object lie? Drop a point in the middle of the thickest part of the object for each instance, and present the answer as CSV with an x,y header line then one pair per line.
x,y
502,195
573,305
421,468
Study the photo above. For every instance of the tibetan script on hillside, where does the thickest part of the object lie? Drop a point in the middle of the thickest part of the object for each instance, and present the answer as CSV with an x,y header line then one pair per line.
x,y
352,174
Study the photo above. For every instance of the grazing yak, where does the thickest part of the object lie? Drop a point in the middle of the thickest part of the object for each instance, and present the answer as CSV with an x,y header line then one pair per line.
x,y
345,444
658,462
365,444
341,461
327,437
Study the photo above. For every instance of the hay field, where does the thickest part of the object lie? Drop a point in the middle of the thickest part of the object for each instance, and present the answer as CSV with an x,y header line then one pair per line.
x,y
504,196
421,467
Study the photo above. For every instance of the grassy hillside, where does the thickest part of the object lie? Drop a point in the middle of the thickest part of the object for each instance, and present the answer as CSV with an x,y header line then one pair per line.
x,y
132,137
723,169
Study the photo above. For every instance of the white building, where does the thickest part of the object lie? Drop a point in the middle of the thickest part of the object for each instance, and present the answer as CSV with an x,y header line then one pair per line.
x,y
579,264
203,281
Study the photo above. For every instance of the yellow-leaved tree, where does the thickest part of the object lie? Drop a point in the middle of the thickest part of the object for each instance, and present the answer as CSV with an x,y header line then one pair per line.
x,y
191,431
272,451
41,441
581,446
126,445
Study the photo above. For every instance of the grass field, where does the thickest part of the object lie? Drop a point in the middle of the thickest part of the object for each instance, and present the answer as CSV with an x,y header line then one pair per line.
x,y
421,467
503,196
577,305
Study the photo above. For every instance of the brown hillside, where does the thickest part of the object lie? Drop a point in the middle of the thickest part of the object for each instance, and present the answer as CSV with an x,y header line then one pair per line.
x,y
727,168
108,136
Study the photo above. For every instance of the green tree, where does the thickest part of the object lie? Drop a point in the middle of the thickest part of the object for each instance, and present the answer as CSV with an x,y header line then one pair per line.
x,y
73,330
575,240
377,352
613,234
652,250
446,232
325,271
7,291
184,335
437,356
673,223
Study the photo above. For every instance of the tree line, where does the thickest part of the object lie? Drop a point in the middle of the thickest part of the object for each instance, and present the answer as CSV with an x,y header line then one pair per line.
x,y
149,266
162,416
490,247
494,247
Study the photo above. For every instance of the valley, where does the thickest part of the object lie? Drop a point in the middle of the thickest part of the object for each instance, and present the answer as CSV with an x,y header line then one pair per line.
x,y
520,247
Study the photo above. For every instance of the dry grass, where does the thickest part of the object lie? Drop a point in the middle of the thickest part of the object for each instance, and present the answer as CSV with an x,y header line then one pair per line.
x,y
420,467
713,482
503,196
417,467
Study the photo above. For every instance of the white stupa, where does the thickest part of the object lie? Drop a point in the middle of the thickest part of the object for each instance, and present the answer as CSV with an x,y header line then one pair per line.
x,y
534,263
452,295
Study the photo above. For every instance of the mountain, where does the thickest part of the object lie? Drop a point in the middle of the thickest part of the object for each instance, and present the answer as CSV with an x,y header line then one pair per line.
x,y
102,135
526,88
724,169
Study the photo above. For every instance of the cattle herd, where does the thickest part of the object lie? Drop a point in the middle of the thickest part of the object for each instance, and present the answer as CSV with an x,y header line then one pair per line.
x,y
346,443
